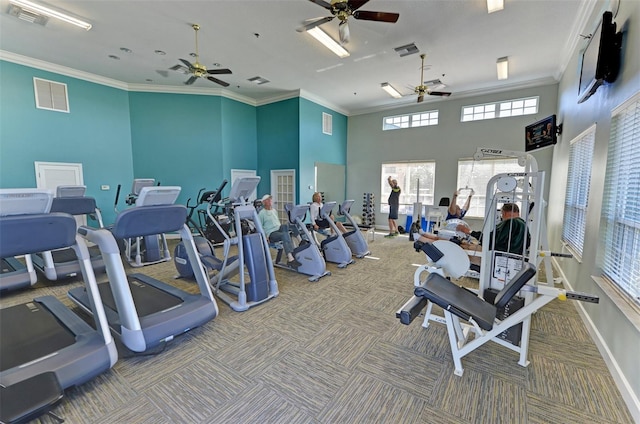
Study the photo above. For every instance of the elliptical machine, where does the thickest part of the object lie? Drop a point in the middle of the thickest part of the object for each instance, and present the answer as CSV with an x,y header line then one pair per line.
x,y
150,249
356,241
253,253
334,247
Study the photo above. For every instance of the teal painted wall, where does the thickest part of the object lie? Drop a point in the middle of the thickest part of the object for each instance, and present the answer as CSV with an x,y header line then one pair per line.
x,y
278,140
318,147
95,133
177,140
239,139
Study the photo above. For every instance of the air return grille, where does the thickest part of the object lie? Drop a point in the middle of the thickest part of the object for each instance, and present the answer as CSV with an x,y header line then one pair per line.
x,y
327,123
51,95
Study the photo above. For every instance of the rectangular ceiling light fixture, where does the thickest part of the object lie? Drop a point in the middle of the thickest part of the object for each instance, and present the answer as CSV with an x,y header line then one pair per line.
x,y
495,5
390,90
52,13
503,68
329,42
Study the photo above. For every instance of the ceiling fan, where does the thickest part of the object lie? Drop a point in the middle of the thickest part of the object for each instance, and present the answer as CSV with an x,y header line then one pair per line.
x,y
423,88
342,9
198,70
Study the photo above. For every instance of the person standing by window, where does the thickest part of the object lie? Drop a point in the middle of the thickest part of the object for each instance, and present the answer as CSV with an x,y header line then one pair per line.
x,y
394,205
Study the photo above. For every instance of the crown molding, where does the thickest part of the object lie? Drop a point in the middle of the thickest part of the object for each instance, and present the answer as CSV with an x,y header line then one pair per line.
x,y
62,70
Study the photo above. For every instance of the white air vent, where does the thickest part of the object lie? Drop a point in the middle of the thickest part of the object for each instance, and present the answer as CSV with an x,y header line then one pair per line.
x,y
51,95
27,15
259,80
327,123
406,50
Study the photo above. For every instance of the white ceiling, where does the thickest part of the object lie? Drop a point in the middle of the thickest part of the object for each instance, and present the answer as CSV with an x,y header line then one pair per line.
x,y
258,38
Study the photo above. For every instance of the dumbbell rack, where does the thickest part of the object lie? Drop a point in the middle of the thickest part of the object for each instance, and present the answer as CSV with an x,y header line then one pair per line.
x,y
369,213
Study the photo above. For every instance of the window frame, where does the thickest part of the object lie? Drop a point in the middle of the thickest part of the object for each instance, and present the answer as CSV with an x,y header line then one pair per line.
x,y
407,183
407,120
501,109
465,179
576,196
620,229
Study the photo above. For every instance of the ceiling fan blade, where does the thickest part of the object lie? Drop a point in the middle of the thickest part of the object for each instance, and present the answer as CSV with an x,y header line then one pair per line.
x,y
439,93
186,62
343,29
191,80
217,81
376,16
314,23
357,4
322,3
218,71
420,98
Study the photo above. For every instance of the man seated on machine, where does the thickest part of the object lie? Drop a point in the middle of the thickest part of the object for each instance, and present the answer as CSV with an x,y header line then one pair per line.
x,y
318,222
509,234
276,232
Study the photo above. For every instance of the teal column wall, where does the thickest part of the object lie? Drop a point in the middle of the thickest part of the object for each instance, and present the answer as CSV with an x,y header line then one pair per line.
x,y
177,140
318,147
95,133
239,139
278,140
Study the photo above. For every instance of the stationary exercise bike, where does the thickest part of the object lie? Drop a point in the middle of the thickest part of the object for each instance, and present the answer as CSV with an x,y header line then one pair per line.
x,y
308,254
334,247
356,241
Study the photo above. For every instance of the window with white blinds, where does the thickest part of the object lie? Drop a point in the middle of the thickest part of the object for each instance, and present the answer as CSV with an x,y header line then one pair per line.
x,y
577,195
621,203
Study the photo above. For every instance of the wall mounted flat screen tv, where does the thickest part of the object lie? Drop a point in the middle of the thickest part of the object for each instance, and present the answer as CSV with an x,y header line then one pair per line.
x,y
541,134
600,60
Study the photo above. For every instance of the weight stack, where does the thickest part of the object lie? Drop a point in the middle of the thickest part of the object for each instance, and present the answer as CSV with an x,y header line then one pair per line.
x,y
513,334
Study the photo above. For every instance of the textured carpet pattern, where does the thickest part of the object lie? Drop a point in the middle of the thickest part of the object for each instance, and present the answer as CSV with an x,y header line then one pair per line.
x,y
333,352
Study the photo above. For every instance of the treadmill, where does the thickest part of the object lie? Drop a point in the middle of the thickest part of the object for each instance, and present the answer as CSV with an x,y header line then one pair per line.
x,y
142,311
15,275
43,339
62,263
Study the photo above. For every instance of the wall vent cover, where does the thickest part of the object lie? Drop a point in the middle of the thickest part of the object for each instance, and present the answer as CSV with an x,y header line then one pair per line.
x,y
51,95
327,123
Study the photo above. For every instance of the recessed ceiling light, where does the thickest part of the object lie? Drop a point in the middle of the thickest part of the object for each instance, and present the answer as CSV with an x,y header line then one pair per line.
x,y
126,50
217,65
193,55
160,52
114,57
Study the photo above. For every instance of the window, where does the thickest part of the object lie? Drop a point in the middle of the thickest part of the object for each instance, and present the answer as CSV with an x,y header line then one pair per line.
x,y
416,180
621,203
475,174
517,107
420,119
577,195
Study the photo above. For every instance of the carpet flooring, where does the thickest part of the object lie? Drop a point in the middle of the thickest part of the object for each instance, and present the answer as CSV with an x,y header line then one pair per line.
x,y
333,352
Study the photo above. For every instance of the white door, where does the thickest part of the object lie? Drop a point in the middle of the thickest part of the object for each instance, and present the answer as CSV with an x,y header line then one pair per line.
x,y
53,174
50,175
239,173
283,190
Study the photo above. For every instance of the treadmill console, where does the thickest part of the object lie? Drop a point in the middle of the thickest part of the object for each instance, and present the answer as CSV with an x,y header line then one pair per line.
x,y
158,195
22,201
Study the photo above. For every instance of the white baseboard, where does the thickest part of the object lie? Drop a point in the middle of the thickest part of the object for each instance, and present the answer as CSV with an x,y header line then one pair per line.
x,y
629,396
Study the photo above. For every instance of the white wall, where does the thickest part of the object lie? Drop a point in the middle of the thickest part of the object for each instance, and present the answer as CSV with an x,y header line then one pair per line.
x,y
616,323
368,146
